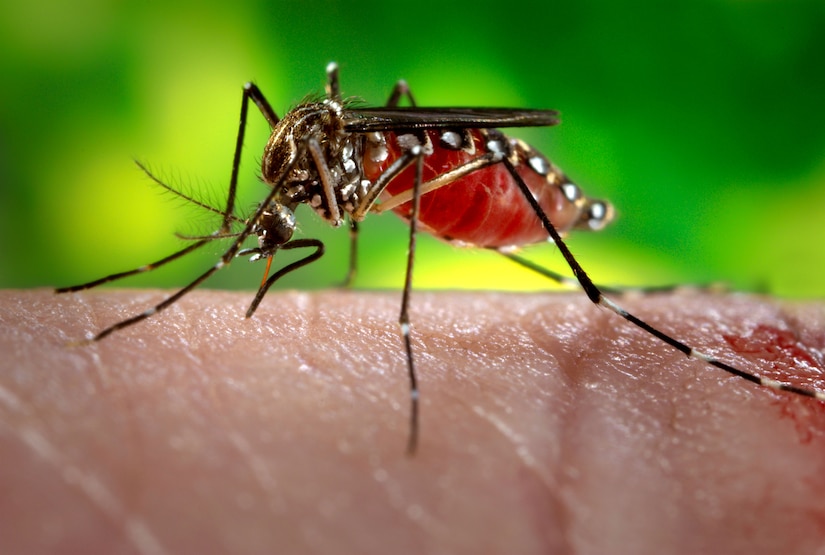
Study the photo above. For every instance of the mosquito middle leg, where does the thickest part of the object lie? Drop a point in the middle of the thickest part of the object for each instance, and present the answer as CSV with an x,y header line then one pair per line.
x,y
399,91
404,317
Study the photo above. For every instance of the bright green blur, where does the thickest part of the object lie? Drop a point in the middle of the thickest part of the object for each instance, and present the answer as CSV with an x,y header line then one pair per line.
x,y
702,121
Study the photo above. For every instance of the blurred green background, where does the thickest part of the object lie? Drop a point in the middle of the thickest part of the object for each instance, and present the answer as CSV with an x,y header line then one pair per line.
x,y
701,120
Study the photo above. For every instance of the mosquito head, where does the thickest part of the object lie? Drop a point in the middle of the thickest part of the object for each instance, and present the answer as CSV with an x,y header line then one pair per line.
x,y
274,228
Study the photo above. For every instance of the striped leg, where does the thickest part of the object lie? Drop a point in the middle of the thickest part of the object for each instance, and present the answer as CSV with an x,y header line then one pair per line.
x,y
404,317
597,297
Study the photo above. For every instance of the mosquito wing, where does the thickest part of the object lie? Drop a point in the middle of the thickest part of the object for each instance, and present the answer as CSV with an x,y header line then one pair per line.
x,y
366,120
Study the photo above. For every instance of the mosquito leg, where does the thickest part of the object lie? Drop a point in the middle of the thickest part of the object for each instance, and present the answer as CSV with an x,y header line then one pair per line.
x,y
611,290
530,265
399,91
226,258
333,211
333,87
353,253
404,317
375,189
142,269
596,296
558,278
250,91
158,307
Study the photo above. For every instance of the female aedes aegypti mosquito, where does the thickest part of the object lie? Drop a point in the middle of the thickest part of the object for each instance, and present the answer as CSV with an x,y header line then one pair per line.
x,y
446,171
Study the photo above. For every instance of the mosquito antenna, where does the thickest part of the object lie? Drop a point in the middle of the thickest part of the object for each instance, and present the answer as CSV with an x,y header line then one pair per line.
x,y
181,194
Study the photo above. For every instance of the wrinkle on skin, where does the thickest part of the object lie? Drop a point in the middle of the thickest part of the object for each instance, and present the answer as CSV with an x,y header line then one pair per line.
x,y
84,482
547,426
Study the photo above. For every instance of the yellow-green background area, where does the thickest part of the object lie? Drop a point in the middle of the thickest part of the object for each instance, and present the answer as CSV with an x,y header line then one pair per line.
x,y
702,120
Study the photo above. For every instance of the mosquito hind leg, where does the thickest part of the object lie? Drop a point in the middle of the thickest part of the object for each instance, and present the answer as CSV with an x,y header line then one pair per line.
x,y
546,272
567,281
597,297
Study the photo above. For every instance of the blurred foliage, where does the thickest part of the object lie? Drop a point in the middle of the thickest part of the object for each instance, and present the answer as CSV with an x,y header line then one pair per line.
x,y
702,121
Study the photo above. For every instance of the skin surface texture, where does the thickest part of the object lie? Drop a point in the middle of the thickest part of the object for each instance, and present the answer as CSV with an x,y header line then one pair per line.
x,y
548,425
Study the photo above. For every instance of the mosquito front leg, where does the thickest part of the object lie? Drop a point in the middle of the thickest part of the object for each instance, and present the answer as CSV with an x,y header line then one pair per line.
x,y
250,91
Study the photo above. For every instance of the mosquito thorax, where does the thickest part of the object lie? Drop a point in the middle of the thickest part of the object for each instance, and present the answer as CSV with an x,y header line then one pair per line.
x,y
314,130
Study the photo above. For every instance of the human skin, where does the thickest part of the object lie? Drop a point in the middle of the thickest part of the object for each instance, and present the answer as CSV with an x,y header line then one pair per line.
x,y
547,425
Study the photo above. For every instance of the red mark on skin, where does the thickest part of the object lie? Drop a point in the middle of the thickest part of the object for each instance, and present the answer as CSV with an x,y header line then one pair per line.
x,y
780,347
783,356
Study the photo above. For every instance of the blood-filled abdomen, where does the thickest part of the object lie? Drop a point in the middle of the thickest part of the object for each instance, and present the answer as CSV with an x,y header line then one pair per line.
x,y
485,207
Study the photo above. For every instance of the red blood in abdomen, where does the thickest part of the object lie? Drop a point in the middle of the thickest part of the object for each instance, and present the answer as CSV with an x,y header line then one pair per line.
x,y
486,207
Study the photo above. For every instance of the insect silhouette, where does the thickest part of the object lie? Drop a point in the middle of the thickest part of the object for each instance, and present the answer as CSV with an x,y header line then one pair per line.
x,y
447,171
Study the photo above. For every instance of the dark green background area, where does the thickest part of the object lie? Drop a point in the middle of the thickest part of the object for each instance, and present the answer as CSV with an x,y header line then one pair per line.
x,y
702,121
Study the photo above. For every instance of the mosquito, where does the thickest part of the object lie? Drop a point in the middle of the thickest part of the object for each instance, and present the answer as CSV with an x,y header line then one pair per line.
x,y
448,172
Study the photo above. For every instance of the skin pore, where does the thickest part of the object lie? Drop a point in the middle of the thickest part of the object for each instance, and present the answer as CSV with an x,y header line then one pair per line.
x,y
548,425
